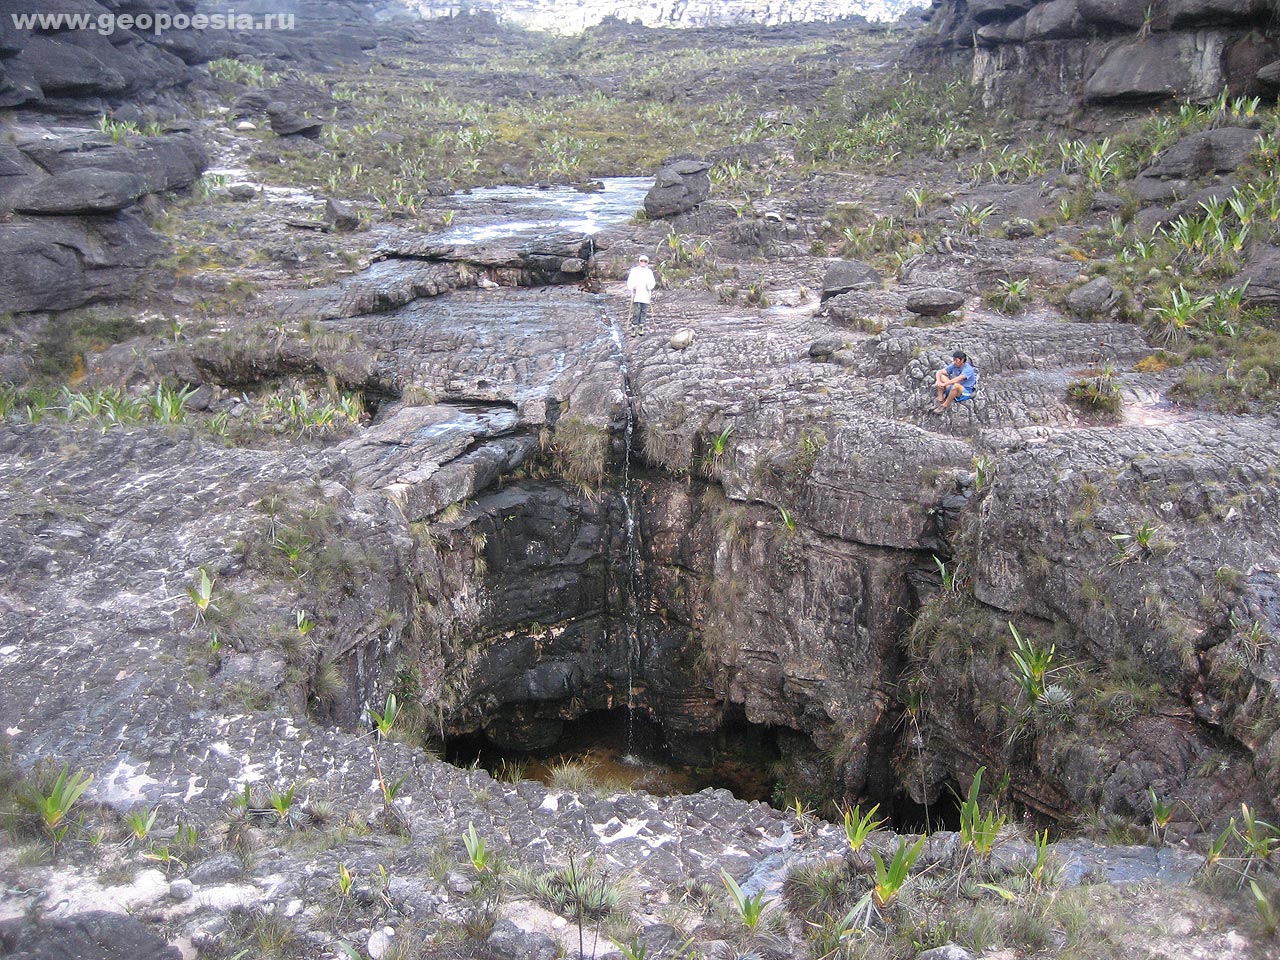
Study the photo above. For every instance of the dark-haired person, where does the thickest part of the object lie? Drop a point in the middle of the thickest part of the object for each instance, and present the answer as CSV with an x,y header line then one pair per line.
x,y
956,381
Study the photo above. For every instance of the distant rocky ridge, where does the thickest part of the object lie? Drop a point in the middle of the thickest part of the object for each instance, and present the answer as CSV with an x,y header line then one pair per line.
x,y
1059,55
568,18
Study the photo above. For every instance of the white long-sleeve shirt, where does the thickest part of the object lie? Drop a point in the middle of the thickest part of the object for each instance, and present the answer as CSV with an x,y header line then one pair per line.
x,y
640,283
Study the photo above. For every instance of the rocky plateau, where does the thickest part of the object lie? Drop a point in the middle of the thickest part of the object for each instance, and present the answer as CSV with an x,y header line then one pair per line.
x,y
303,485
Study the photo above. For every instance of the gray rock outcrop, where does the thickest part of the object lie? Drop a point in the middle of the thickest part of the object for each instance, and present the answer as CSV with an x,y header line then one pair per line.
x,y
678,187
70,239
845,275
81,191
1057,55
934,301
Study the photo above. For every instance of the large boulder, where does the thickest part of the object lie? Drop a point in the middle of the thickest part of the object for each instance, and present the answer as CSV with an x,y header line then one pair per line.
x,y
677,188
81,191
164,163
1210,151
1055,20
845,275
86,936
55,263
288,120
1158,67
934,301
1093,300
1263,276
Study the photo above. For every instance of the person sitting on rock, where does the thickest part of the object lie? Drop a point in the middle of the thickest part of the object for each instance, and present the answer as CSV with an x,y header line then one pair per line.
x,y
958,380
640,283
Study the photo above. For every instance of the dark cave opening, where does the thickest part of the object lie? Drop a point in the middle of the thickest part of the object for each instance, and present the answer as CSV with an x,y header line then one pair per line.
x,y
624,750
906,815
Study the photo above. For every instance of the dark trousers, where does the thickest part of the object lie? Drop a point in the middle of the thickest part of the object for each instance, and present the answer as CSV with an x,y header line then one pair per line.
x,y
639,313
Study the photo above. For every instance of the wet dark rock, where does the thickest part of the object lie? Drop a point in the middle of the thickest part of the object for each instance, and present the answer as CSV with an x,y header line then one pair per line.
x,y
81,191
934,301
242,191
678,187
85,936
845,275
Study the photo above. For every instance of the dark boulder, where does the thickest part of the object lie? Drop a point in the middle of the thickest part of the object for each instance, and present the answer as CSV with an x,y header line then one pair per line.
x,y
1143,70
164,163
1055,20
934,301
846,275
678,187
1210,151
823,348
64,68
342,216
85,936
55,263
291,121
81,191
1270,74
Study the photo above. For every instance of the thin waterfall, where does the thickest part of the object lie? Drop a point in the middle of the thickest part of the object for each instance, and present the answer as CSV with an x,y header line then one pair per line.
x,y
631,530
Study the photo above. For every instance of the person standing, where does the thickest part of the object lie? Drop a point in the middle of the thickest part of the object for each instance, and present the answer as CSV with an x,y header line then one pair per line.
x,y
640,284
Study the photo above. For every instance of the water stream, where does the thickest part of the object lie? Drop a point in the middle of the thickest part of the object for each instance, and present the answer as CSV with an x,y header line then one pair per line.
x,y
631,530
492,213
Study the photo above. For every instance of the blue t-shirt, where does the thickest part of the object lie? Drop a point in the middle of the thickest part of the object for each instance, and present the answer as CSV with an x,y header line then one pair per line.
x,y
970,375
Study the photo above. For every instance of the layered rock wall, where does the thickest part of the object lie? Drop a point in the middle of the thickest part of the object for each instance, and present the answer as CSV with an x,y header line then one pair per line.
x,y
1058,55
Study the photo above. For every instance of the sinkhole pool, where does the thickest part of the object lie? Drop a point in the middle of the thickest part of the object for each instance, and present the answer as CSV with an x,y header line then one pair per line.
x,y
626,750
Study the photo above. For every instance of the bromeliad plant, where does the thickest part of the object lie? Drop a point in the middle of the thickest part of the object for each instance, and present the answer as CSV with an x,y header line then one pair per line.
x,y
891,878
979,830
1161,815
750,909
858,826
141,822
1034,665
53,804
201,594
478,851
